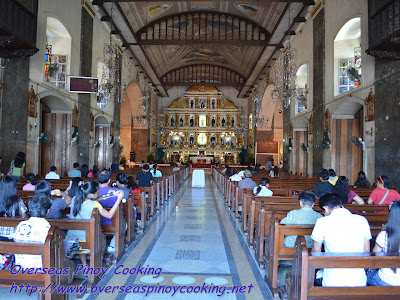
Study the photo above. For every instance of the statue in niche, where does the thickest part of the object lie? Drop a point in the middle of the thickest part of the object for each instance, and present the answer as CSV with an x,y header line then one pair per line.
x,y
212,122
232,122
32,102
370,105
213,104
202,123
191,122
212,141
192,103
181,122
191,141
310,125
172,122
327,121
223,122
202,105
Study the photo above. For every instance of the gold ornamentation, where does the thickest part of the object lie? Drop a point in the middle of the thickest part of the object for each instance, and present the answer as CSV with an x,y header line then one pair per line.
x,y
32,102
327,120
370,106
75,117
91,122
310,125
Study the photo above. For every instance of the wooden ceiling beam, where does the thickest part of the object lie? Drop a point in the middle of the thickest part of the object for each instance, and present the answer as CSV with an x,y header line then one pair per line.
x,y
206,42
149,1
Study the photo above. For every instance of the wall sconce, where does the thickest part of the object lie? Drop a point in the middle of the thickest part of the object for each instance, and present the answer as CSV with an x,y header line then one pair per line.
x,y
32,125
370,132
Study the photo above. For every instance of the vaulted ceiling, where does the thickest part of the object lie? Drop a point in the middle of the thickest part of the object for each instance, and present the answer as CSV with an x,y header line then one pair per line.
x,y
228,43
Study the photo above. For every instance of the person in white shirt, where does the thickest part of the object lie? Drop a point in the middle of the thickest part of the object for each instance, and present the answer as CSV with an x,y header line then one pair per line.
x,y
387,240
52,174
235,176
241,173
33,230
263,189
341,232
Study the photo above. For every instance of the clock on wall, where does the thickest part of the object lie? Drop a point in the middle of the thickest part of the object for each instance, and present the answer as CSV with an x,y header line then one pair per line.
x,y
202,139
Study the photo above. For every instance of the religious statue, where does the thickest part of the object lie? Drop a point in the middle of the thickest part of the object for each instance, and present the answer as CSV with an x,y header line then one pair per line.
x,y
192,103
232,122
75,117
191,141
191,122
310,125
91,122
181,122
370,105
32,102
202,105
327,121
223,122
172,122
212,122
213,104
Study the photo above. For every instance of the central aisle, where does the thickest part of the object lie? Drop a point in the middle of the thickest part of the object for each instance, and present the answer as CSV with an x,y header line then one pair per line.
x,y
194,241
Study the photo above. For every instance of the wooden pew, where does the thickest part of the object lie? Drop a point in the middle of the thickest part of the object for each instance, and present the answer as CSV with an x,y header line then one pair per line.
x,y
301,282
149,200
276,252
117,229
53,257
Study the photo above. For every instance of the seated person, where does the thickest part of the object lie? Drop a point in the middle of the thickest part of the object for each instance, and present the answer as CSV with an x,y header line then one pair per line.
x,y
303,216
324,186
387,241
114,167
52,174
109,199
156,172
362,181
34,230
247,183
383,194
345,194
241,173
228,172
175,169
235,176
43,188
32,182
75,172
144,178
274,172
82,208
74,185
263,189
332,176
10,204
341,232
121,184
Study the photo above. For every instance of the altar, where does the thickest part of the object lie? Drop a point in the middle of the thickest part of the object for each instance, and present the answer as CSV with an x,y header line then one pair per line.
x,y
203,160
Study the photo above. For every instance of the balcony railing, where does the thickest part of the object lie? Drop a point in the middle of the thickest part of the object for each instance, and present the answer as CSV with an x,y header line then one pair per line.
x,y
17,30
384,31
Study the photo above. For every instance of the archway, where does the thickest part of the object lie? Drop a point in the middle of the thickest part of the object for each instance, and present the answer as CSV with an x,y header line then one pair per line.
x,y
347,158
134,133
347,57
300,143
55,124
270,132
101,147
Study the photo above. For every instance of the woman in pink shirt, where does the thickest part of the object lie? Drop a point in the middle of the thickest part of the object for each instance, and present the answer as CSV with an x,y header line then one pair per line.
x,y
32,183
383,194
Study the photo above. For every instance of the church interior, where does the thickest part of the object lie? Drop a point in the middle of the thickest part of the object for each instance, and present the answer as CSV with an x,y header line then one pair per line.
x,y
201,92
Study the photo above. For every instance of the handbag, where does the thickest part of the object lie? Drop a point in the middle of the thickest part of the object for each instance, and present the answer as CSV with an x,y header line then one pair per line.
x,y
10,172
71,247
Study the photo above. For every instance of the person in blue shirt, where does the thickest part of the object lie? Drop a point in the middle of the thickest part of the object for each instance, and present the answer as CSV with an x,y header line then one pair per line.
x,y
75,172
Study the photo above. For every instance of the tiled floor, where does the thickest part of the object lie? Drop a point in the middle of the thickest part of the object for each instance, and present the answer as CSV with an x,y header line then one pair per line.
x,y
195,243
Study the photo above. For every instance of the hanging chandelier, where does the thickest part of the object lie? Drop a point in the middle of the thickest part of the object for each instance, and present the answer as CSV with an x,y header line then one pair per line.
x,y
283,75
110,81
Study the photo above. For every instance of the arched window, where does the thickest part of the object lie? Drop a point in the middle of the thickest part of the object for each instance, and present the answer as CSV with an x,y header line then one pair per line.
x,y
58,53
302,88
347,57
